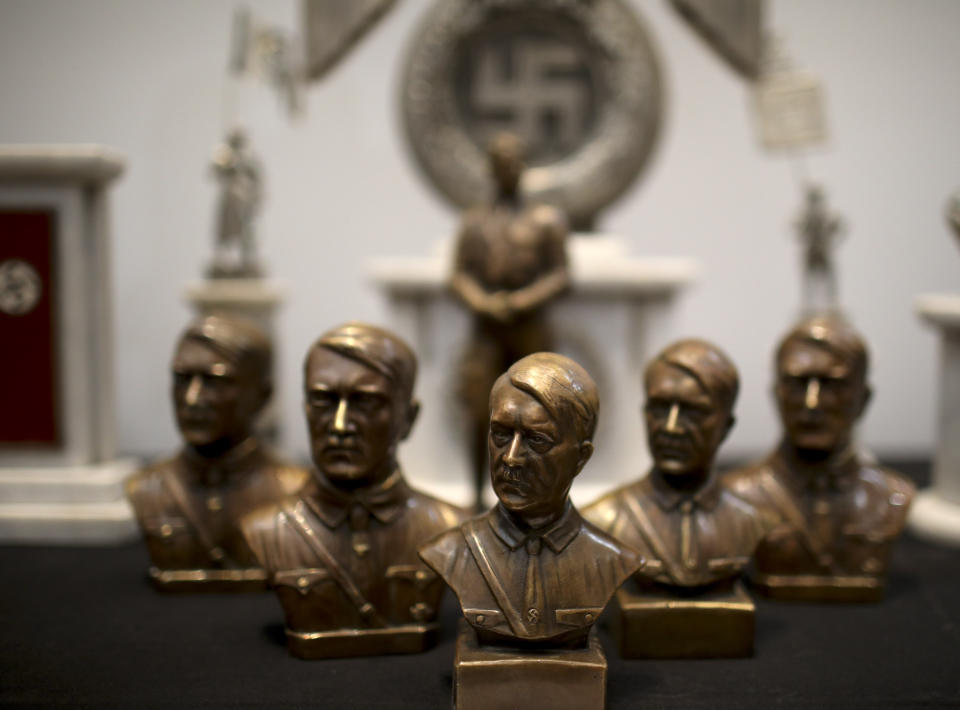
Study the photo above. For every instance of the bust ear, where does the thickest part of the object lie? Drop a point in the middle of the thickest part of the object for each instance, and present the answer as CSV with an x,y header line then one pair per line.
x,y
864,400
731,420
409,417
586,451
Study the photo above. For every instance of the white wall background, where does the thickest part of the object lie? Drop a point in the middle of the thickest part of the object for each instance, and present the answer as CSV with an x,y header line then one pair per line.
x,y
147,78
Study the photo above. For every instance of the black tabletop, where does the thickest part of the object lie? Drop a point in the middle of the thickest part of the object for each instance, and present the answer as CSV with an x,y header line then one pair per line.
x,y
81,627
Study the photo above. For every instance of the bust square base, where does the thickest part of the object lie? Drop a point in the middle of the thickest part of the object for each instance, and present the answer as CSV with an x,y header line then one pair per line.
x,y
344,643
216,581
502,678
819,588
716,624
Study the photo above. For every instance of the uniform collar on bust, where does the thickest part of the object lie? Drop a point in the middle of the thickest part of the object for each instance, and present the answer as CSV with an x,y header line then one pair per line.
x,y
837,472
220,469
557,535
669,498
384,501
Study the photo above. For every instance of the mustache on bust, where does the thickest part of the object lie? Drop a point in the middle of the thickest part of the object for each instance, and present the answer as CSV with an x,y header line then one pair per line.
x,y
347,443
672,441
508,474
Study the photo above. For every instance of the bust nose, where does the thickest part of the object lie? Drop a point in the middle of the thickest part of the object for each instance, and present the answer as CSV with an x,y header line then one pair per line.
x,y
340,421
192,395
514,455
811,397
672,425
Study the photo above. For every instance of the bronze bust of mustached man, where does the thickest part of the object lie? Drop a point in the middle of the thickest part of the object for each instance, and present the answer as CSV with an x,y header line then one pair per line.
x,y
838,513
189,506
531,575
696,536
342,555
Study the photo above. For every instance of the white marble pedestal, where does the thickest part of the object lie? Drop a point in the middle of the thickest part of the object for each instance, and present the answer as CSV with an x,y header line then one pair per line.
x,y
936,510
63,482
616,316
257,300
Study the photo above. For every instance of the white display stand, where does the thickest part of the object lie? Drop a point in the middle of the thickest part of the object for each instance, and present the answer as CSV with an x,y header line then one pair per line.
x,y
936,510
254,299
70,490
615,317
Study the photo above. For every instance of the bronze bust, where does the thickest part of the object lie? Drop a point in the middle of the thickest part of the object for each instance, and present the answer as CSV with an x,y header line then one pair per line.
x,y
838,513
695,536
188,507
510,262
531,575
342,555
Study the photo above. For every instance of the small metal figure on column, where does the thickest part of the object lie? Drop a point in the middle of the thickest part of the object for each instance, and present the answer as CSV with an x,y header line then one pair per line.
x,y
819,230
241,191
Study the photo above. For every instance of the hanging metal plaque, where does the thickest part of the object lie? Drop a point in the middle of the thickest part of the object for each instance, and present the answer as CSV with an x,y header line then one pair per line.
x,y
577,80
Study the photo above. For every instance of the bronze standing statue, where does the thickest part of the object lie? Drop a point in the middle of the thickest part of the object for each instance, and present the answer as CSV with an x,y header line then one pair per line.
x,y
838,514
531,575
695,536
819,230
188,507
241,192
342,556
510,262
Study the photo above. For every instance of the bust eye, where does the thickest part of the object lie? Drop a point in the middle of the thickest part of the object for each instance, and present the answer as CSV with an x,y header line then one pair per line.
x,y
501,437
319,399
366,401
540,442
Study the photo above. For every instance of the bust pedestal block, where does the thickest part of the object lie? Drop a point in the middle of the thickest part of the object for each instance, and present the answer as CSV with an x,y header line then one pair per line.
x,y
820,588
346,643
718,623
502,678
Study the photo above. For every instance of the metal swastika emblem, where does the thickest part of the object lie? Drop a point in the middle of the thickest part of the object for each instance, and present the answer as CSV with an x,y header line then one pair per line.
x,y
577,81
20,287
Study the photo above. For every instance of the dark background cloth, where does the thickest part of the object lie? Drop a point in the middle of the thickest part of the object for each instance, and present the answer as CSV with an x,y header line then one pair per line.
x,y
81,627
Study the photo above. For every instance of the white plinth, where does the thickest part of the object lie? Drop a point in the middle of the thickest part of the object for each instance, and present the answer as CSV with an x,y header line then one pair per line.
x,y
66,505
69,490
616,316
936,512
255,299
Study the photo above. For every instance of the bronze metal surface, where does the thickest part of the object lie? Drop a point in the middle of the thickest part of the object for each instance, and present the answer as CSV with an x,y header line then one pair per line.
x,y
693,534
188,507
340,643
503,678
510,263
656,622
837,514
531,574
342,555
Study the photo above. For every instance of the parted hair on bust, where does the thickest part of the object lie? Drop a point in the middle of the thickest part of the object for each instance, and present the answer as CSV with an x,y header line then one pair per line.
x,y
707,364
238,339
562,387
833,334
377,348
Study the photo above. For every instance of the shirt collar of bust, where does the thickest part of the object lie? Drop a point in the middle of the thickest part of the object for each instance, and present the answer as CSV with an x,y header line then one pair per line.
x,y
384,500
557,535
217,470
836,472
669,498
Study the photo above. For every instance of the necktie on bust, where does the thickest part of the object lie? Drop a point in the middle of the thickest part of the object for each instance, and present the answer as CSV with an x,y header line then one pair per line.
x,y
688,545
359,524
533,583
